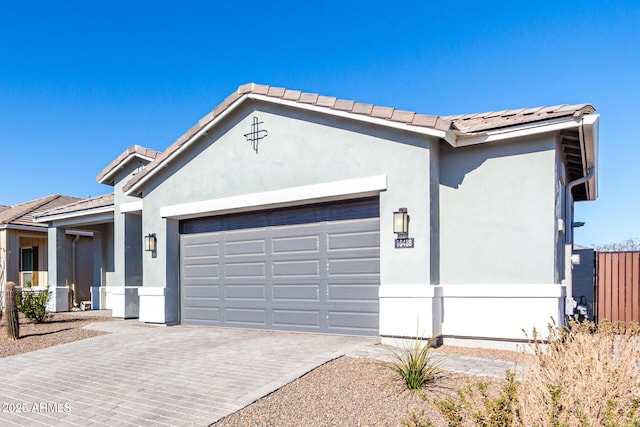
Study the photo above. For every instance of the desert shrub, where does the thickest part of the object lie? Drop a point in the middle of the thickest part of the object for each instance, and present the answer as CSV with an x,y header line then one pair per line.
x,y
33,304
415,363
417,420
583,375
474,405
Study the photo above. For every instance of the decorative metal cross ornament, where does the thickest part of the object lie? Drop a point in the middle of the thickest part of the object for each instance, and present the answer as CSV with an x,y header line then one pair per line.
x,y
256,134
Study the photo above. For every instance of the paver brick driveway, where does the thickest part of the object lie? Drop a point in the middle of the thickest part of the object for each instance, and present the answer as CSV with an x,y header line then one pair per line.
x,y
157,376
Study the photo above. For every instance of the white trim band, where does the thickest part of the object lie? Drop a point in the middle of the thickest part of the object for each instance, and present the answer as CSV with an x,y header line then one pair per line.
x,y
130,207
337,190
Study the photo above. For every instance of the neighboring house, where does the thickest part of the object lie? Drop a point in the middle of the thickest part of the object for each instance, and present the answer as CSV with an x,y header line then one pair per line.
x,y
26,245
278,210
113,267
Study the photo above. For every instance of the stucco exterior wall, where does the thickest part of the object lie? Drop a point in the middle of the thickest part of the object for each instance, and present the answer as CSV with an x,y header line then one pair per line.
x,y
300,149
127,232
499,268
497,213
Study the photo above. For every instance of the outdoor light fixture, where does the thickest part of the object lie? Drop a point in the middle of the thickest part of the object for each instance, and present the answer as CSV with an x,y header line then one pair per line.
x,y
401,222
150,242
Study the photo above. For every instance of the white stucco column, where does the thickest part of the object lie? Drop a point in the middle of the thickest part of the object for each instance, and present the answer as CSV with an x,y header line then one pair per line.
x,y
57,269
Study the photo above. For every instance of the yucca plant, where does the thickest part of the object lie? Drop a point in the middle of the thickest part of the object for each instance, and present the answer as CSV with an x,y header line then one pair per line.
x,y
415,363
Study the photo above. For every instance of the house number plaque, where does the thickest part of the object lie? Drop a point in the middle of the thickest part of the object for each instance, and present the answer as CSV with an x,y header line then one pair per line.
x,y
404,243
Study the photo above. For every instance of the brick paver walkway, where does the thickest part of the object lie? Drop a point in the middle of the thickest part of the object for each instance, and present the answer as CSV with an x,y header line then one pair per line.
x,y
155,376
173,376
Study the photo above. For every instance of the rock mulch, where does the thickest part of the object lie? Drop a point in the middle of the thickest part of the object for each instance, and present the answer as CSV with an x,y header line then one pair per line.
x,y
349,392
59,329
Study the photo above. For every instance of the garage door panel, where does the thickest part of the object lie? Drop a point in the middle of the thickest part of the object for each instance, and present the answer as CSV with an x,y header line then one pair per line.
x,y
308,268
245,316
354,241
354,322
196,250
244,292
209,290
203,303
353,292
354,266
203,315
245,269
195,271
244,247
296,318
296,244
296,292
284,271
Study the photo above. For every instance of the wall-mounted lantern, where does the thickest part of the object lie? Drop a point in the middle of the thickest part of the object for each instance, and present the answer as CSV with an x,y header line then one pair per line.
x,y
150,242
401,228
401,222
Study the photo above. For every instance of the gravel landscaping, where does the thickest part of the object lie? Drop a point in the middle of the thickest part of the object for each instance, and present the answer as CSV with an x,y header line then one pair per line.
x,y
352,391
59,329
347,392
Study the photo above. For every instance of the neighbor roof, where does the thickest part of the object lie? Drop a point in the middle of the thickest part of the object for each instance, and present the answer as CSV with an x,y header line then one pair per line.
x,y
23,213
461,124
148,154
90,203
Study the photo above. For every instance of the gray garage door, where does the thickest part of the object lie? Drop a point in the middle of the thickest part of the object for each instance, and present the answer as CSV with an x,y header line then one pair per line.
x,y
314,269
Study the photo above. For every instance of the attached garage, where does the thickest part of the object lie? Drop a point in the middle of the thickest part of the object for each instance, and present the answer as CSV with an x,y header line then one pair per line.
x,y
308,268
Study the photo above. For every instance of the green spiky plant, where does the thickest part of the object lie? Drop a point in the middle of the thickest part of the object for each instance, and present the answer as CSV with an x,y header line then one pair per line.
x,y
11,309
415,363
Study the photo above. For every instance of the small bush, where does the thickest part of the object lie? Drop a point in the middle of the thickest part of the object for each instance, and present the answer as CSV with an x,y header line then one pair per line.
x,y
417,420
33,304
414,363
473,405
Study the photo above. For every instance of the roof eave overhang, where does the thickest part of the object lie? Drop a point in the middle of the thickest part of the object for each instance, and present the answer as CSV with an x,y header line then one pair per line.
x,y
23,227
108,178
536,128
101,213
448,135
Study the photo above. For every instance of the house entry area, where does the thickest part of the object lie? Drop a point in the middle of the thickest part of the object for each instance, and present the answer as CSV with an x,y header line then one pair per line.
x,y
308,268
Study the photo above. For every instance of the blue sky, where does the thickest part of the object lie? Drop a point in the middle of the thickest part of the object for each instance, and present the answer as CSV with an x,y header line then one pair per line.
x,y
80,81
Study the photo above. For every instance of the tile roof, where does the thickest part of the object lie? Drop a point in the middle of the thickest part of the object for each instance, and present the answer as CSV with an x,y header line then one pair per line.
x,y
4,208
471,123
468,123
136,149
105,200
24,213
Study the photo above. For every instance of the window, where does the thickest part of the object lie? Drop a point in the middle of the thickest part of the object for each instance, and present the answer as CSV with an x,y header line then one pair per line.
x,y
26,259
